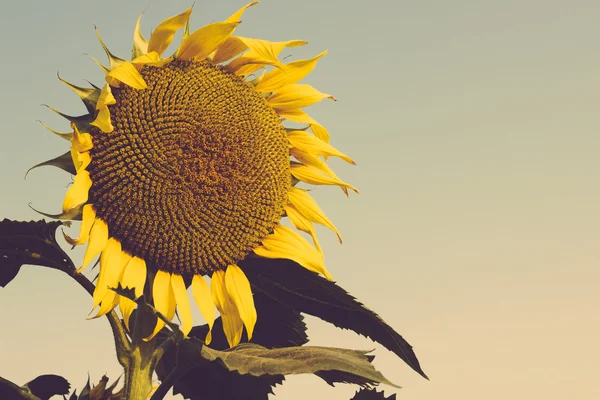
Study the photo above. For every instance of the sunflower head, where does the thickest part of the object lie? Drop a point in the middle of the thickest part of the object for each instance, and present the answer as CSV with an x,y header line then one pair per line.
x,y
183,170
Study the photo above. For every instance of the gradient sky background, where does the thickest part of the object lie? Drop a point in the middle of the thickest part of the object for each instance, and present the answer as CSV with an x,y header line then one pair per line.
x,y
474,125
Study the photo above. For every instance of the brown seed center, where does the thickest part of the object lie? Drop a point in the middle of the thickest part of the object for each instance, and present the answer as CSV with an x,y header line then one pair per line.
x,y
196,171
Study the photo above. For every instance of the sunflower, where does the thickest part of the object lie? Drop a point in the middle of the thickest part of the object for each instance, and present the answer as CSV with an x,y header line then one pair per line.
x,y
184,167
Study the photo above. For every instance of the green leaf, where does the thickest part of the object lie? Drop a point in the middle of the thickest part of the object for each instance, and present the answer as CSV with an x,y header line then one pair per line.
x,y
46,386
371,394
64,162
289,283
29,243
253,359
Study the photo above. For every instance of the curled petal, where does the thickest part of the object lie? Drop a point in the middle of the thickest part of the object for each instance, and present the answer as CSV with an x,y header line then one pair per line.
x,y
320,132
127,74
309,209
261,53
312,144
205,40
152,58
302,224
296,96
110,272
98,241
313,176
77,193
238,14
296,115
292,73
80,142
285,243
87,220
163,35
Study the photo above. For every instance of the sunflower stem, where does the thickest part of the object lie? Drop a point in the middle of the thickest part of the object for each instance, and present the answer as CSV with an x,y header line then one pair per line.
x,y
139,371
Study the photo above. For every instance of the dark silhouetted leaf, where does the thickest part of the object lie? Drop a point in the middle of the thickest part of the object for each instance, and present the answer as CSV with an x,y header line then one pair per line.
x,y
371,394
249,358
277,326
85,392
305,291
11,391
46,386
29,243
99,391
64,162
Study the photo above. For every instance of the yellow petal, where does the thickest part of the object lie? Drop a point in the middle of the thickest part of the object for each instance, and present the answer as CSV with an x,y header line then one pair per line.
x,y
303,224
320,132
205,304
103,121
231,47
87,220
296,115
240,294
312,144
296,96
106,98
313,176
232,323
98,241
77,193
80,160
128,74
110,271
140,44
238,14
308,207
205,40
126,306
285,243
164,299
134,277
163,35
312,160
183,303
152,58
80,142
292,73
262,52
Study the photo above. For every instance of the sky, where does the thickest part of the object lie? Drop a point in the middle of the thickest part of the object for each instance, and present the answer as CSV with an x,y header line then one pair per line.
x,y
474,126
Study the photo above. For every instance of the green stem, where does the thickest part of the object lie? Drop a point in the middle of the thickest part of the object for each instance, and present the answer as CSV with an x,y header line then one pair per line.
x,y
138,374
